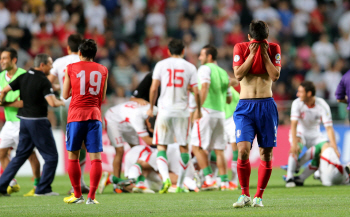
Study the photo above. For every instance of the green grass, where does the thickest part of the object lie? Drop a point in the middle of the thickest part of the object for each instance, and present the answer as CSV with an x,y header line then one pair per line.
x,y
310,200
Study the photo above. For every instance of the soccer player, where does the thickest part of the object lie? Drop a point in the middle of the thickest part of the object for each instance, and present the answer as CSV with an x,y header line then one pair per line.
x,y
256,65
86,82
174,75
208,132
306,115
58,72
9,136
126,122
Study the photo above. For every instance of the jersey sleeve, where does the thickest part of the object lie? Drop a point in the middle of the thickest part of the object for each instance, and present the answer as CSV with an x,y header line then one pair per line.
x,y
157,72
47,88
15,84
238,59
295,112
194,77
326,114
276,55
204,74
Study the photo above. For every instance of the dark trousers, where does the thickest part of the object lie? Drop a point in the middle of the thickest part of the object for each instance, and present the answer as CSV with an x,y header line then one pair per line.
x,y
33,133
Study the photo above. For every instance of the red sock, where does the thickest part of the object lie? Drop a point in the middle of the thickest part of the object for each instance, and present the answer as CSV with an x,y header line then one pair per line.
x,y
264,174
95,176
74,173
243,171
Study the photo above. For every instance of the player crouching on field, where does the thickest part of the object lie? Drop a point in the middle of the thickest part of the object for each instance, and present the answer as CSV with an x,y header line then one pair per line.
x,y
126,122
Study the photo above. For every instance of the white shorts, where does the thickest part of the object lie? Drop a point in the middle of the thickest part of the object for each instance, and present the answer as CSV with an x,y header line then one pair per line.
x,y
9,135
169,128
310,140
208,133
118,133
230,130
331,170
137,152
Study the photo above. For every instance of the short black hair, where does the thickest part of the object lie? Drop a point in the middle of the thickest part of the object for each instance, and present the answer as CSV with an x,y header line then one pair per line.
x,y
176,46
88,48
74,41
210,49
12,51
309,86
258,30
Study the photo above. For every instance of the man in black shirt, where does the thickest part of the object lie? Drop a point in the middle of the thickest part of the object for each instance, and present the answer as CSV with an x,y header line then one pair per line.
x,y
35,129
141,94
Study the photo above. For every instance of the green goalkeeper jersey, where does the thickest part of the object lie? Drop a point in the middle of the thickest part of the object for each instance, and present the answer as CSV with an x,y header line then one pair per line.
x,y
10,112
230,108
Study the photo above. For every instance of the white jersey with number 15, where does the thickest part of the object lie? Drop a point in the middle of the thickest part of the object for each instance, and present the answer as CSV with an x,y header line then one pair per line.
x,y
175,75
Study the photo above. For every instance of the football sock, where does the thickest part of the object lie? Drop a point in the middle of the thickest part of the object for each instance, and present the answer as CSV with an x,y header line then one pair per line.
x,y
292,166
243,171
74,173
309,155
140,180
185,158
95,176
162,163
208,175
308,171
82,162
135,171
115,180
224,180
234,167
36,182
264,174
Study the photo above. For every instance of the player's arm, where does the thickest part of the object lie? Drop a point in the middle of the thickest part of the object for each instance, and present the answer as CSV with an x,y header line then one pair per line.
x,y
66,92
272,70
105,88
153,94
52,79
53,101
340,93
139,101
242,70
233,82
295,150
198,112
331,137
4,92
147,139
15,104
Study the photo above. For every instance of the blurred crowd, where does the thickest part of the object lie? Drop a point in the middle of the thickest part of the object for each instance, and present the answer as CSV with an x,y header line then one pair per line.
x,y
132,35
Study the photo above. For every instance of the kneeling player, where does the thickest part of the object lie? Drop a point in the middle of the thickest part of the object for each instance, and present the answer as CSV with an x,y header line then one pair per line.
x,y
126,122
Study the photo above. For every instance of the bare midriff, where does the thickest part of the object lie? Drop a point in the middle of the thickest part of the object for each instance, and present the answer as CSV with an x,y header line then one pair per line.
x,y
256,86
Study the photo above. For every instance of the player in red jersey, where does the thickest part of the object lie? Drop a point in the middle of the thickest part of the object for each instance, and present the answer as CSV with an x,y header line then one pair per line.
x,y
256,64
86,82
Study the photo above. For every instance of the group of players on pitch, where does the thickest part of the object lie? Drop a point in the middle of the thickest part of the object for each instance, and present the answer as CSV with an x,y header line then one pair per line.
x,y
197,114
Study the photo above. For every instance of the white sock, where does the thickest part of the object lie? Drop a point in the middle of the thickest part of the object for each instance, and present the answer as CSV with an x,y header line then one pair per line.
x,y
135,171
309,154
82,167
234,172
182,172
163,168
209,179
190,183
309,170
292,165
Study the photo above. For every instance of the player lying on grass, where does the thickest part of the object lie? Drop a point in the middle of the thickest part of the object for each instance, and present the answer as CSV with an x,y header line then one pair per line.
x,y
126,122
140,164
307,113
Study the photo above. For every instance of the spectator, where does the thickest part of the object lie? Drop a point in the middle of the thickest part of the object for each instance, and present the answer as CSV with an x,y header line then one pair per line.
x,y
286,16
305,5
235,36
266,13
13,32
343,45
156,21
333,77
344,21
75,7
316,25
96,15
324,51
300,26
58,11
129,13
4,16
173,14
202,31
315,76
25,16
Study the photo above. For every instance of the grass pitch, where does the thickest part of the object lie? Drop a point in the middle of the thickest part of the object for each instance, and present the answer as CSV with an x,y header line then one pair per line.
x,y
311,200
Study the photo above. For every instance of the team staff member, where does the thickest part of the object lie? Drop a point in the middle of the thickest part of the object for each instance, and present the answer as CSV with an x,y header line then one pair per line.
x,y
35,129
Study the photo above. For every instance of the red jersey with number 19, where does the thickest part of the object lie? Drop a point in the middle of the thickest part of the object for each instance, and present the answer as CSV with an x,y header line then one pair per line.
x,y
87,81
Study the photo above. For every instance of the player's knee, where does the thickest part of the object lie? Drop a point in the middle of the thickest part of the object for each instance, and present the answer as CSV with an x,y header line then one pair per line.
x,y
119,151
243,153
266,154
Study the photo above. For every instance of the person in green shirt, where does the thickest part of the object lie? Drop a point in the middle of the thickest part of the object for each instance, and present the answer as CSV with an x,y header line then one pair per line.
x,y
208,131
9,135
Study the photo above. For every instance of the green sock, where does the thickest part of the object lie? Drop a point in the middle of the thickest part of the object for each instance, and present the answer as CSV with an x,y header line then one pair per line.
x,y
207,171
185,158
141,178
162,154
235,155
115,180
36,181
212,156
224,178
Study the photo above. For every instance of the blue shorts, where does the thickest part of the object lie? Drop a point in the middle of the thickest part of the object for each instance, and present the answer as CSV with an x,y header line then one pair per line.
x,y
89,132
257,117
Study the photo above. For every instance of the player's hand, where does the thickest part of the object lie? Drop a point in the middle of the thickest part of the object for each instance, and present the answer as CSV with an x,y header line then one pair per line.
x,y
264,48
62,103
253,48
197,115
337,152
295,150
150,113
